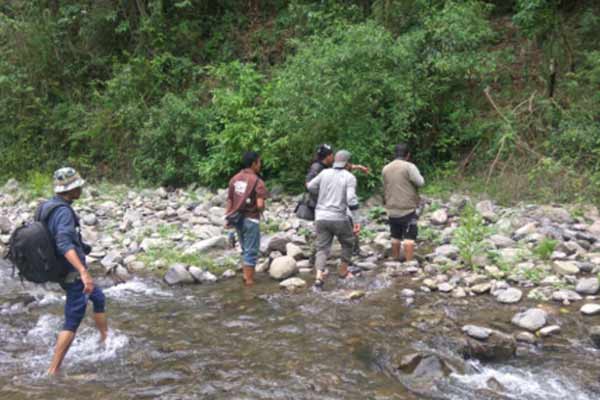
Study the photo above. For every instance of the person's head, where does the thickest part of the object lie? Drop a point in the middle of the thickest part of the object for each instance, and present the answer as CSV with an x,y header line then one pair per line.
x,y
342,159
325,154
68,183
251,160
401,151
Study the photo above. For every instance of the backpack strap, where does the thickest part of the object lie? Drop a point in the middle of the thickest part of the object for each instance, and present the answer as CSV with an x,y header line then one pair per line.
x,y
44,211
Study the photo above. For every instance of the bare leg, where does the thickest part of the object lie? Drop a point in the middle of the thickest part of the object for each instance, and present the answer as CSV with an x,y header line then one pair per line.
x,y
409,249
101,325
396,249
63,342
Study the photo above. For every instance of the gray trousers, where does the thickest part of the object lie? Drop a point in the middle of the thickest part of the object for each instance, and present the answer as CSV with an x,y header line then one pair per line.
x,y
326,231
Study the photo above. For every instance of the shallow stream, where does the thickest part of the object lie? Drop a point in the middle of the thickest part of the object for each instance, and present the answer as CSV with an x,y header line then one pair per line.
x,y
227,342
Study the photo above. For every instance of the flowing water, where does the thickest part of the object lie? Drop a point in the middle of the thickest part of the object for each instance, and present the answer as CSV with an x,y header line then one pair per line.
x,y
227,342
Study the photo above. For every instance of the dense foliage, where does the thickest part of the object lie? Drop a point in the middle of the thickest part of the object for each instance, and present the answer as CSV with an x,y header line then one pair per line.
x,y
172,91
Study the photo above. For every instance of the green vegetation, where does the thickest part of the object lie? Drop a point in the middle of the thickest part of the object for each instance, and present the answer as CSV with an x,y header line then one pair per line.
x,y
469,235
545,248
171,256
493,96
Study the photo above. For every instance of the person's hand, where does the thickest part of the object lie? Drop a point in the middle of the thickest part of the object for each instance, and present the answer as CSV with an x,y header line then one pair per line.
x,y
88,282
356,229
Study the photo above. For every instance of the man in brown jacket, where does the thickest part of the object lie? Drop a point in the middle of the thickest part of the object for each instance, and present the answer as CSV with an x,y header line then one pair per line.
x,y
401,180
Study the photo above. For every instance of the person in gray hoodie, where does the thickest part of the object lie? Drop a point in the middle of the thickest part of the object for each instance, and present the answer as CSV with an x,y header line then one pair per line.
x,y
336,188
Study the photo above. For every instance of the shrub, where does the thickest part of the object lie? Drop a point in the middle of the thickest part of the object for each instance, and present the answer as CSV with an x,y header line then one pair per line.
x,y
469,235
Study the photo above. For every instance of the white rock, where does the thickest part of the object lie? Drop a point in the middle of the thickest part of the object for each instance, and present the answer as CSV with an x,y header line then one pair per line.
x,y
549,330
219,242
477,332
439,217
294,251
590,309
282,267
588,285
447,250
509,296
531,320
565,268
293,283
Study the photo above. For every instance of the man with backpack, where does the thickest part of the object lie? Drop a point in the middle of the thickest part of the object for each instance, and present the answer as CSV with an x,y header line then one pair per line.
x,y
63,226
245,202
336,188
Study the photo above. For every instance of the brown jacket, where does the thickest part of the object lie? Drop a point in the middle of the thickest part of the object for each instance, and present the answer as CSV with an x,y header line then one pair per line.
x,y
401,180
244,188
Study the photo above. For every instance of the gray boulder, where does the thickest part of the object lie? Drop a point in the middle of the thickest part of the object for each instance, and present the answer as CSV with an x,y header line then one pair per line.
x,y
595,335
294,251
497,346
439,217
509,296
588,285
565,295
590,309
278,243
531,320
448,250
219,242
5,225
565,267
202,276
178,273
282,268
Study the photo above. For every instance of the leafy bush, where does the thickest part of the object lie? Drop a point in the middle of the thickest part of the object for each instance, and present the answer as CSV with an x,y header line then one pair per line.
x,y
545,248
469,235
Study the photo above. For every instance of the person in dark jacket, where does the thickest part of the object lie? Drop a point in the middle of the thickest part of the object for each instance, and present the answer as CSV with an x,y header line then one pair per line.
x,y
63,225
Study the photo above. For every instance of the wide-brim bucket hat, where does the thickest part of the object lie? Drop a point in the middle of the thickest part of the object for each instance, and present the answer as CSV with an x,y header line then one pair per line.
x,y
67,179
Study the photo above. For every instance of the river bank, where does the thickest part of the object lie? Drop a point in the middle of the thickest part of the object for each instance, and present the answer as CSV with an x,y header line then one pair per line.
x,y
405,329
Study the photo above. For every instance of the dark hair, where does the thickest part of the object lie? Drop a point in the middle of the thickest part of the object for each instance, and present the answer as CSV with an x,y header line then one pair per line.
x,y
323,151
401,150
249,158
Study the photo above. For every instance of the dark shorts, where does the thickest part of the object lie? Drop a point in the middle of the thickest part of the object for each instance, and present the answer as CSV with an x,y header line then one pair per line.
x,y
404,227
77,303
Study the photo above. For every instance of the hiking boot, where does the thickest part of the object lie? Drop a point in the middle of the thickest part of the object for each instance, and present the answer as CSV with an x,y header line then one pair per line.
x,y
248,276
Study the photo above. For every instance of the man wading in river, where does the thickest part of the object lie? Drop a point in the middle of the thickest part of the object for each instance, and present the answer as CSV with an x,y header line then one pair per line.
x,y
323,160
336,188
245,202
63,225
401,180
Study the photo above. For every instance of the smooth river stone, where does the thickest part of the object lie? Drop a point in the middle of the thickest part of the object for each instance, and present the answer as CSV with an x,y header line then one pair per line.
x,y
590,309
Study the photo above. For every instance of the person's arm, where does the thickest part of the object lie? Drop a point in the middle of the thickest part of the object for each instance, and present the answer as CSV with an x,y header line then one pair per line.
x,y
229,199
65,238
352,200
415,176
313,185
313,172
261,195
361,168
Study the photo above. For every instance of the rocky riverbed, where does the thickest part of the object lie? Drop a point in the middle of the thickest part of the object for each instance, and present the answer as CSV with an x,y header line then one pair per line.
x,y
490,283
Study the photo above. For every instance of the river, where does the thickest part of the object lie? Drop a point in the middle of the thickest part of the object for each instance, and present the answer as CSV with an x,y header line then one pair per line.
x,y
227,342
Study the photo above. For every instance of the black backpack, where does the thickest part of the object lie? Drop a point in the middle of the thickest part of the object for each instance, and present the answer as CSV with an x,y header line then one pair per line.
x,y
32,249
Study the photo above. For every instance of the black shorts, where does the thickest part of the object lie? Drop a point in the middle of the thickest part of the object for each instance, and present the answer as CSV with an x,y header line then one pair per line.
x,y
404,227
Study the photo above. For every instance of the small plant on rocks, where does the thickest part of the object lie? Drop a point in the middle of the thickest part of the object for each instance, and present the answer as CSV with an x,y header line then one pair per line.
x,y
545,248
469,236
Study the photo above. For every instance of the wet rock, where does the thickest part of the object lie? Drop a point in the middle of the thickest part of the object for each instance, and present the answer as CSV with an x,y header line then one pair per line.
x,y
565,267
588,285
477,332
526,337
498,346
178,273
595,335
282,267
228,273
509,296
439,217
219,242
5,225
431,367
202,276
356,294
481,288
293,283
565,295
408,362
531,320
550,330
448,250
294,251
590,309
278,243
